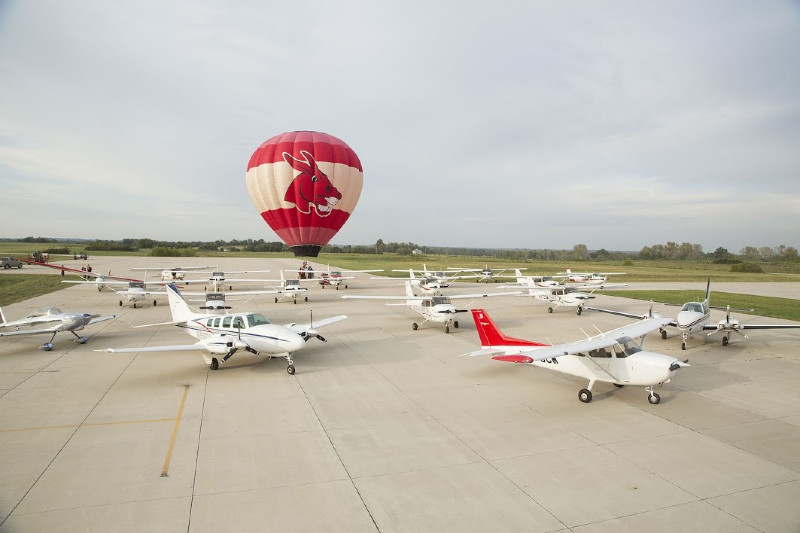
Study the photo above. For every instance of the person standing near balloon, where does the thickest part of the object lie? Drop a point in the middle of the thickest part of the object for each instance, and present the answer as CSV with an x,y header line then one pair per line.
x,y
305,185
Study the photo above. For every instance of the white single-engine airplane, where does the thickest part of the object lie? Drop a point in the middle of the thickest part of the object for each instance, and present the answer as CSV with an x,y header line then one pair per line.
x,y
58,321
218,278
135,291
437,308
695,317
174,274
611,357
431,276
219,337
333,278
557,294
485,274
588,277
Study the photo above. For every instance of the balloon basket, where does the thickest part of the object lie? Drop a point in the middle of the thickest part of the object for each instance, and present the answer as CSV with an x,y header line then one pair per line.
x,y
306,250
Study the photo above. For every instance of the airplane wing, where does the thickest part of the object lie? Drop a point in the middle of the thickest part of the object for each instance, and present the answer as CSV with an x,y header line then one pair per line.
x,y
604,340
80,272
299,328
216,344
53,329
649,314
711,326
97,318
482,295
395,297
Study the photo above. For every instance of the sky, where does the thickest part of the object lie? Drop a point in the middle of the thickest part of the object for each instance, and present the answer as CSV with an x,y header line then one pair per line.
x,y
507,124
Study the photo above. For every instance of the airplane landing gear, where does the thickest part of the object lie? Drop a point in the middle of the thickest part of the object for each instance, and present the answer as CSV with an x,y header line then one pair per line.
x,y
579,310
585,395
214,364
663,334
549,309
47,346
653,398
414,326
725,340
290,369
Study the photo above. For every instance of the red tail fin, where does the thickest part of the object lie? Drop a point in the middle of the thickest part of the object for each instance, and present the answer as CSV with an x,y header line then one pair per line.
x,y
491,335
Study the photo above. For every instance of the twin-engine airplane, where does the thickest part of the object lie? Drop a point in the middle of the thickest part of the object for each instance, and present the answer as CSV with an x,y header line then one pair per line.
x,y
57,320
611,357
219,337
436,308
695,317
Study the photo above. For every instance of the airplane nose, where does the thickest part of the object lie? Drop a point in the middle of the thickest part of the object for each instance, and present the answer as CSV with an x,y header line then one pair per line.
x,y
294,343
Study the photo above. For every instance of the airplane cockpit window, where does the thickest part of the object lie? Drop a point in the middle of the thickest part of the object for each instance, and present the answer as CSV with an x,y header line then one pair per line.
x,y
600,352
438,300
256,319
626,347
45,311
694,307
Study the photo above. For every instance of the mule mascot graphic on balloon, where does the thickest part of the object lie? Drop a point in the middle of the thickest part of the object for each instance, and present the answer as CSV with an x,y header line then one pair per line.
x,y
311,187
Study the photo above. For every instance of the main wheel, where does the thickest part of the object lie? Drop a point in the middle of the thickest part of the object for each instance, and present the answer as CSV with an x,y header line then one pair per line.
x,y
579,311
585,395
305,299
447,329
654,398
455,323
724,341
414,326
155,303
276,300
214,364
683,346
120,303
290,369
663,334
549,309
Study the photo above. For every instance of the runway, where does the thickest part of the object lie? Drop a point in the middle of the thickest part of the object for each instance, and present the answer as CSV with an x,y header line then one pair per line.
x,y
388,429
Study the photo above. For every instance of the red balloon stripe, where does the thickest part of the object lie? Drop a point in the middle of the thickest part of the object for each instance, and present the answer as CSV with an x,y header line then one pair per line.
x,y
296,228
323,147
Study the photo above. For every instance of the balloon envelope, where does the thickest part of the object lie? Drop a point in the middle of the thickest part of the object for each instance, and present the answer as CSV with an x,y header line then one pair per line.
x,y
305,185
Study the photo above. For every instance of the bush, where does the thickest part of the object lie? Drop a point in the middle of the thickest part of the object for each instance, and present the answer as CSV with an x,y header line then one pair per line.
x,y
752,268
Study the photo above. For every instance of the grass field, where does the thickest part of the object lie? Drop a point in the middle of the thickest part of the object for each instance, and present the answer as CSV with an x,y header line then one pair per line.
x,y
14,288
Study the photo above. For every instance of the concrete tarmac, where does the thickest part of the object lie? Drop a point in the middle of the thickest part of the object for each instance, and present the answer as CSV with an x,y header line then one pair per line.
x,y
388,429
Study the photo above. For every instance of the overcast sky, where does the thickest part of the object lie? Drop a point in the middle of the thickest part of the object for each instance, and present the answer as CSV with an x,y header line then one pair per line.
x,y
525,124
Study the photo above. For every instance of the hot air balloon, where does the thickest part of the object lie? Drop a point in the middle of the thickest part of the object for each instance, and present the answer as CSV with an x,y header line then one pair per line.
x,y
305,185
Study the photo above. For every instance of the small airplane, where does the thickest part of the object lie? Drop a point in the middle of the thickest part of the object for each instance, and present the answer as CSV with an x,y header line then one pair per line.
x,y
218,278
429,286
431,276
58,321
98,278
485,274
173,274
611,357
558,294
216,302
435,308
588,277
695,317
334,278
135,291
220,337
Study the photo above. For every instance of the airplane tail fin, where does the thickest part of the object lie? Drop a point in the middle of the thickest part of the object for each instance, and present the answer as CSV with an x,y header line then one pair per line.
x,y
708,292
491,335
2,316
410,294
177,305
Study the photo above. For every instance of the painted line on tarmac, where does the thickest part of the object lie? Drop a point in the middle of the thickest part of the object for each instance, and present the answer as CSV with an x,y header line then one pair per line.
x,y
168,458
65,426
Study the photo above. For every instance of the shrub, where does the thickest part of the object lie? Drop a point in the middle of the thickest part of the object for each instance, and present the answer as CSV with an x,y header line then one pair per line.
x,y
746,266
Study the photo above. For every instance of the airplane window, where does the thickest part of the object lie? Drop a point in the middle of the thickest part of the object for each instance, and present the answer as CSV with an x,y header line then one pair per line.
x,y
216,322
599,353
226,322
255,319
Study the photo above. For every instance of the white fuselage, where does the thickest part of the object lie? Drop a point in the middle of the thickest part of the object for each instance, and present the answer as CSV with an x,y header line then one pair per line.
x,y
692,317
623,366
262,338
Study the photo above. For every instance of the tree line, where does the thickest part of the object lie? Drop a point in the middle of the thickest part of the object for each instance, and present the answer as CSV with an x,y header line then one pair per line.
x,y
670,251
